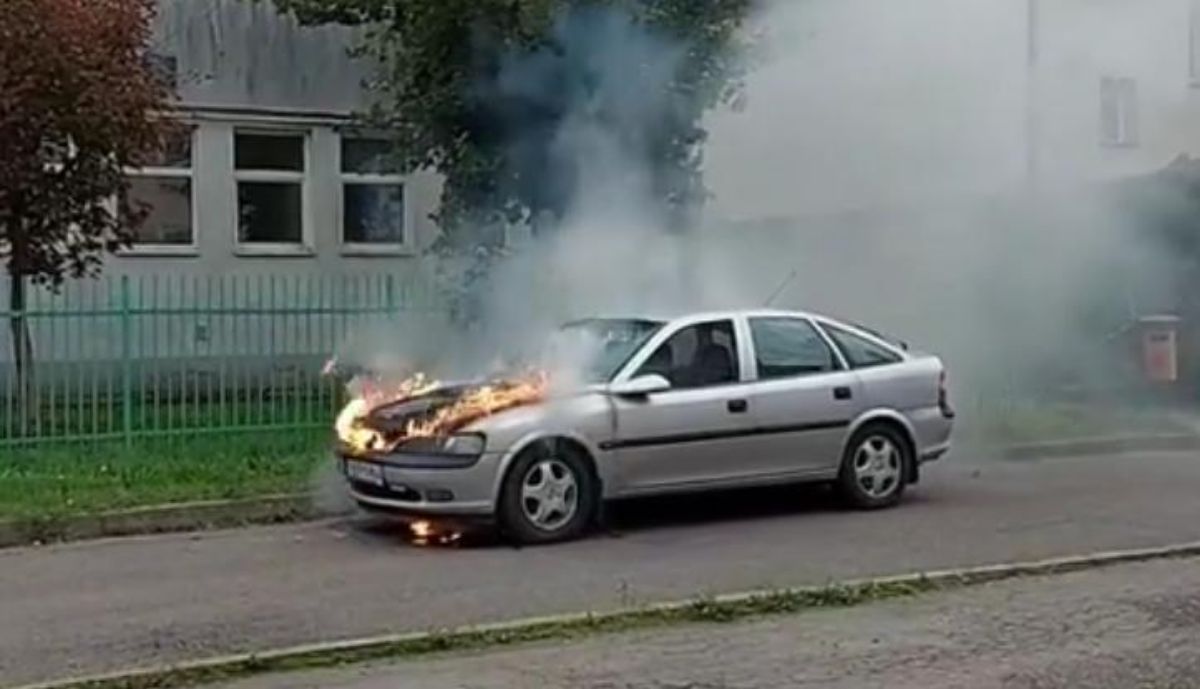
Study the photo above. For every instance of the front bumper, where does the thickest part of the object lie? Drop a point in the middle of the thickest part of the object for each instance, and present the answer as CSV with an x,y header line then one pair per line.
x,y
407,485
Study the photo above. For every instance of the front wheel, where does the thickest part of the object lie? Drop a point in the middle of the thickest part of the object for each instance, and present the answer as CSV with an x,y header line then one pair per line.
x,y
548,495
875,468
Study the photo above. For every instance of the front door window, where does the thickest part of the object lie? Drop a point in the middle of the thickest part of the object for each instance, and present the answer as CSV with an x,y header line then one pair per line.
x,y
697,356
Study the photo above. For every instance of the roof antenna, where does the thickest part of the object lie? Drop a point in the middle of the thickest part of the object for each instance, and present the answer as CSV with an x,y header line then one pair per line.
x,y
779,290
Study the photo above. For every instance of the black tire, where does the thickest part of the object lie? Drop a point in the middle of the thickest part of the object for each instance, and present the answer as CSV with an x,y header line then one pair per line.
x,y
559,459
857,488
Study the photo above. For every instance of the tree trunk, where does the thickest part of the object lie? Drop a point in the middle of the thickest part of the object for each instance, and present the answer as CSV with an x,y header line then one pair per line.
x,y
21,345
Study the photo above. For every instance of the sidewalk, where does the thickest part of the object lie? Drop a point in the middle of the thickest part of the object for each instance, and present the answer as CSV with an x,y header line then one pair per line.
x,y
1129,626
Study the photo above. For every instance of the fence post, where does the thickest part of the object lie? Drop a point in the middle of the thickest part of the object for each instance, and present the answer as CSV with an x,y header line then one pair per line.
x,y
18,323
389,287
126,364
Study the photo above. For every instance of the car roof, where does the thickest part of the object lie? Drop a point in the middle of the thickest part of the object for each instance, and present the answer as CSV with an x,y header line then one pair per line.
x,y
747,313
689,316
685,319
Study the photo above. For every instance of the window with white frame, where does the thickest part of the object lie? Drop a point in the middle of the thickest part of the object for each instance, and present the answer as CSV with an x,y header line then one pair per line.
x,y
1118,112
164,190
270,171
373,208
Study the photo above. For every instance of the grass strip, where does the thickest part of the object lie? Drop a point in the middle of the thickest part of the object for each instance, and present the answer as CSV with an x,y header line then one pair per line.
x,y
173,518
1033,422
47,483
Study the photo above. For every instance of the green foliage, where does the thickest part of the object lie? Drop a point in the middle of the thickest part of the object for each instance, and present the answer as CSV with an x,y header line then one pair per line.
x,y
78,106
480,90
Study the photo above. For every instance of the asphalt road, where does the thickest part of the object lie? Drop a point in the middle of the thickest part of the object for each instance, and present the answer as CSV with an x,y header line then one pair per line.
x,y
93,607
1131,626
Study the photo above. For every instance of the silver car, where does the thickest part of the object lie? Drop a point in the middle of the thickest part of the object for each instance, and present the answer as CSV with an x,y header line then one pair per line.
x,y
706,401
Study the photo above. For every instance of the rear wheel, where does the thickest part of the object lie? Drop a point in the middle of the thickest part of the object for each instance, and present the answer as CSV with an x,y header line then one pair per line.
x,y
549,495
875,468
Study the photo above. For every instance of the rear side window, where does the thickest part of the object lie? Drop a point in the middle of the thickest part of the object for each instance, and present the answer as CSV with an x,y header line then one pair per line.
x,y
787,347
859,351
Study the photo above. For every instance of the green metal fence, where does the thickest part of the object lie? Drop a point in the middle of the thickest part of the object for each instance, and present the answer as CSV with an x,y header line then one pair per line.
x,y
130,357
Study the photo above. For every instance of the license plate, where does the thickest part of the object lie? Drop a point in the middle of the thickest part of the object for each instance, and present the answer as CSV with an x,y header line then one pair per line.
x,y
365,472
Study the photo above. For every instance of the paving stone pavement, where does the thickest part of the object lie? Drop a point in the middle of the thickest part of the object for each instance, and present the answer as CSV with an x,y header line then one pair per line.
x,y
1123,627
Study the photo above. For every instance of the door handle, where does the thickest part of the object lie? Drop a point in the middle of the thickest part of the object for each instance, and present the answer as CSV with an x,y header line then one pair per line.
x,y
737,406
842,393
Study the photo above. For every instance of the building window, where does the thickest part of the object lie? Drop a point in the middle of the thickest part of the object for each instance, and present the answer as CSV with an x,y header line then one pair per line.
x,y
373,208
164,189
1118,112
269,168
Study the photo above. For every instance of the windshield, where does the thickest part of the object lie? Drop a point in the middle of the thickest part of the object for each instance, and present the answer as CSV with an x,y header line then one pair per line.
x,y
602,346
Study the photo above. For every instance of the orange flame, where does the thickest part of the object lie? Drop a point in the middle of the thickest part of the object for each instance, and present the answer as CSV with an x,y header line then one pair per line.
x,y
350,424
472,405
480,402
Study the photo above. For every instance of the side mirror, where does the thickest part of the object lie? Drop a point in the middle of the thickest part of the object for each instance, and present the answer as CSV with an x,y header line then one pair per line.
x,y
641,386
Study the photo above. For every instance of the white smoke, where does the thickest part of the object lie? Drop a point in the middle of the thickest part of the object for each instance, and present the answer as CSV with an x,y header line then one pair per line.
x,y
881,158
887,146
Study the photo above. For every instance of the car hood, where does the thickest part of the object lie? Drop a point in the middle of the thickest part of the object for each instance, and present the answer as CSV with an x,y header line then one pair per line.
x,y
471,405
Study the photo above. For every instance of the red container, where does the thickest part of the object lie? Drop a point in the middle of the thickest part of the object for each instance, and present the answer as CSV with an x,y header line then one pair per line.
x,y
1160,348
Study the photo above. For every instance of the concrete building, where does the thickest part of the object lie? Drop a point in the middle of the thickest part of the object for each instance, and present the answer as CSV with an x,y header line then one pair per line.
x,y
277,226
862,105
869,104
885,152
275,177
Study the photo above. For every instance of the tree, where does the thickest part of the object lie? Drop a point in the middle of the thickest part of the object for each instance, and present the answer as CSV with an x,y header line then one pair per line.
x,y
79,104
445,89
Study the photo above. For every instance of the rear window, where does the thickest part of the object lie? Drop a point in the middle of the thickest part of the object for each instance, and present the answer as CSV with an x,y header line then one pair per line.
x,y
859,351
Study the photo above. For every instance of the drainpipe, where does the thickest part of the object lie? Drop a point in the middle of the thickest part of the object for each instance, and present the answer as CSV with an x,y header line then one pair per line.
x,y
1032,40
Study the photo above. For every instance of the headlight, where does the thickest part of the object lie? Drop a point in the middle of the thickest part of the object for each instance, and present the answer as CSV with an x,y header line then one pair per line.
x,y
464,444
459,445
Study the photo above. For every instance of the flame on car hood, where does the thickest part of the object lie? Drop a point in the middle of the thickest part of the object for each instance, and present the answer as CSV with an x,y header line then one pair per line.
x,y
381,417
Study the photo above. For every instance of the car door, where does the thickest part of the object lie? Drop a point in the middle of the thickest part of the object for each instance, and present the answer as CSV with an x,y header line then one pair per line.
x,y
697,431
805,397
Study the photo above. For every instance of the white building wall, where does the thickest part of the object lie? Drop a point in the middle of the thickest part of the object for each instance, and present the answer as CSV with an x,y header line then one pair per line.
x,y
245,54
241,64
874,104
1084,41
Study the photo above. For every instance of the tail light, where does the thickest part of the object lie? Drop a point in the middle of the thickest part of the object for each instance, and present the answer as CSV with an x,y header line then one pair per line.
x,y
944,397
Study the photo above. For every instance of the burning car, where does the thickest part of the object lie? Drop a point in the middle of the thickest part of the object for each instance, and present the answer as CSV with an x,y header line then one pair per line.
x,y
705,401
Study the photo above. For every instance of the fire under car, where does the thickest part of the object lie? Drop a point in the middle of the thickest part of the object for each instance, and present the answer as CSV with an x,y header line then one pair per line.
x,y
701,402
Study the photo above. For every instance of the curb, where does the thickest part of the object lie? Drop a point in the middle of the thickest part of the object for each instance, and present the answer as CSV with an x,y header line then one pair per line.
x,y
178,517
278,509
723,608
